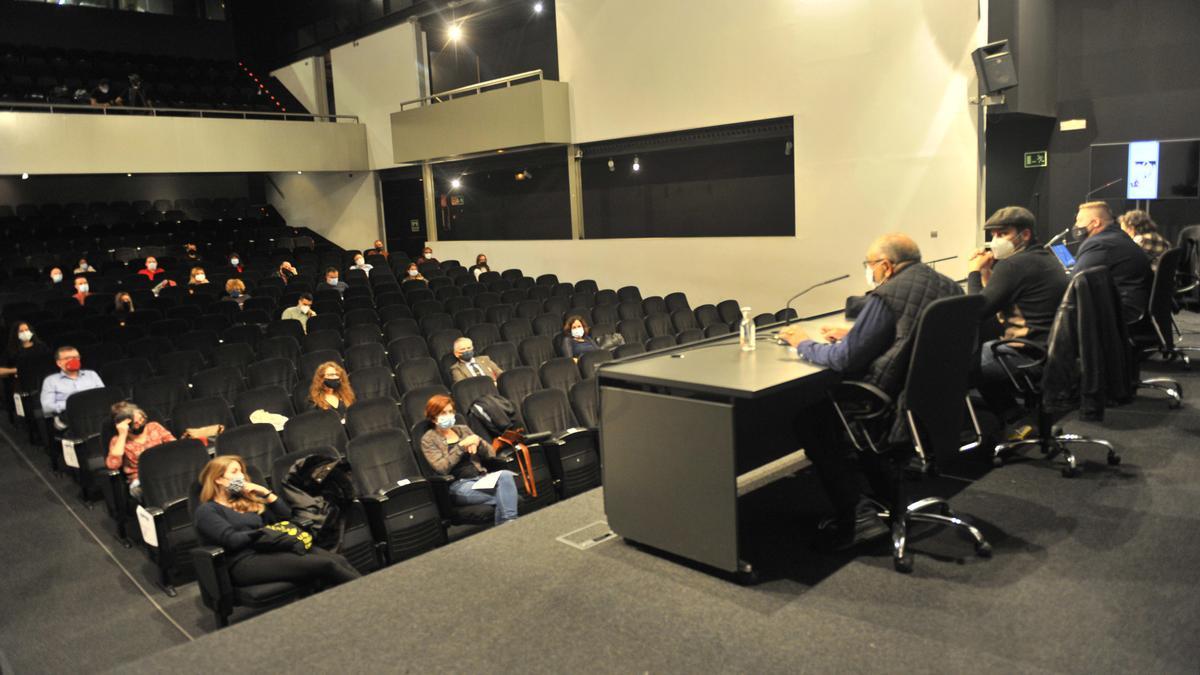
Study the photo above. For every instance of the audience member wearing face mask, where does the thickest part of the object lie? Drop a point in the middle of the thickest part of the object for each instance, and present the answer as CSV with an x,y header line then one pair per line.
x,y
334,281
330,389
577,337
426,256
360,263
134,434
197,277
412,273
56,280
22,343
378,249
232,514
1105,245
469,364
235,291
235,264
122,304
480,266
454,450
82,267
287,271
70,379
300,311
82,290
151,269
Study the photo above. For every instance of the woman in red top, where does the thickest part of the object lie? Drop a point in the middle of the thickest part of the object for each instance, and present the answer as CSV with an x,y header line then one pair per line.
x,y
135,434
151,269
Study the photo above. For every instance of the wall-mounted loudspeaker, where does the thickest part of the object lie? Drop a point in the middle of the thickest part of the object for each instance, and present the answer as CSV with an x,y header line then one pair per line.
x,y
994,67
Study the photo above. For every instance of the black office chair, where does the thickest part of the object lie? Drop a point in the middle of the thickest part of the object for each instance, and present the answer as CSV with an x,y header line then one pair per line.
x,y
168,472
929,410
573,451
373,414
400,504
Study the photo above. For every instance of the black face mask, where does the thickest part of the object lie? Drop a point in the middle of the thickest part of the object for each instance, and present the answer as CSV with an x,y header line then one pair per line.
x,y
333,384
136,428
466,356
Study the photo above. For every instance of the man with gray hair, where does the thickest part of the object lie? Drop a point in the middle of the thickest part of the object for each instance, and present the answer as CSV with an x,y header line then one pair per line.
x,y
876,350
467,364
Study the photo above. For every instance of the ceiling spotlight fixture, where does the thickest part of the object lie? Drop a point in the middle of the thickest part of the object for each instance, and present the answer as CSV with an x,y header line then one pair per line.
x,y
24,176
129,175
537,8
637,165
612,166
455,183
455,32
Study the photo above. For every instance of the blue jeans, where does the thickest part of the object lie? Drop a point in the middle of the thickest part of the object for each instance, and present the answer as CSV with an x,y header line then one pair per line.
x,y
994,385
504,499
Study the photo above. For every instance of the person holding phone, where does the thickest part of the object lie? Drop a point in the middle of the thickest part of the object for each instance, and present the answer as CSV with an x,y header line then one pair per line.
x,y
232,513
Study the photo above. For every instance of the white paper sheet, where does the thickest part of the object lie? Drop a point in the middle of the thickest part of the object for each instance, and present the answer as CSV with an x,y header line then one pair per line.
x,y
488,481
19,405
69,457
146,524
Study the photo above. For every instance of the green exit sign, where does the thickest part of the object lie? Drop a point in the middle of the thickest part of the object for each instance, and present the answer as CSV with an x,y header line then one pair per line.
x,y
1035,160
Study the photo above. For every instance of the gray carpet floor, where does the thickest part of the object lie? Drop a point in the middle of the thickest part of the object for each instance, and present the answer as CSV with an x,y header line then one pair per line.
x,y
1095,574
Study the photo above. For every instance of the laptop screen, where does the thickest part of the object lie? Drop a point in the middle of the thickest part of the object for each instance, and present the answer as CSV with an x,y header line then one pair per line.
x,y
1064,255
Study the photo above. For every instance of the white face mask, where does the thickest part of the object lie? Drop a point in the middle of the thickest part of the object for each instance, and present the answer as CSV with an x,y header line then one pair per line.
x,y
413,273
200,277
428,254
358,262
151,265
25,335
233,261
577,332
1003,247
304,309
82,288
332,282
870,276
56,278
104,88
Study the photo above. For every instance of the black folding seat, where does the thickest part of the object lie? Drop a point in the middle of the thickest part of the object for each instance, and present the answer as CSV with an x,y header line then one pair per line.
x,y
417,291
529,309
562,290
286,327
321,340
548,325
583,299
536,350
706,315
764,319
659,325
391,299
365,355
787,314
557,306
358,317
717,329
605,314
442,342
159,395
629,349
660,342
124,374
400,504
223,381
374,382
496,284
606,297
466,318
388,313
457,514
312,430
517,383
98,355
258,444
504,354
200,412
498,314
406,348
654,305
437,282
446,293
203,341
412,404
586,286
280,346
271,398
513,295
515,330
592,360
354,541
676,302
182,364
86,414
683,319
398,328
324,322
275,371
458,303
629,309
573,452
243,333
486,299
484,335
466,392
629,293
633,330
559,373
362,334
585,402
546,280
512,275
261,303
237,354
424,308
359,303
373,414
328,309
168,474
730,312
435,323
310,361
170,327
690,335
418,372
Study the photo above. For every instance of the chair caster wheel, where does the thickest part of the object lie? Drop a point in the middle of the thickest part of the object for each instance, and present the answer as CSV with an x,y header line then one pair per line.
x,y
1114,460
997,461
1174,404
170,591
1071,472
983,549
903,564
746,577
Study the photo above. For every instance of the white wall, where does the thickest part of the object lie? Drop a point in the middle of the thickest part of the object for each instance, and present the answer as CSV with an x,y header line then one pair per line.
x,y
306,81
40,143
342,207
884,137
372,76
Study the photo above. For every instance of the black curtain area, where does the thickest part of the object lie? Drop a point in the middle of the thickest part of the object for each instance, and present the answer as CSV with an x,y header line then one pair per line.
x,y
1009,183
517,196
742,189
403,196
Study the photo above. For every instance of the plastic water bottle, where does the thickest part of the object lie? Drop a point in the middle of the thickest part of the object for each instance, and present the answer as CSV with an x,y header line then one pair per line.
x,y
747,331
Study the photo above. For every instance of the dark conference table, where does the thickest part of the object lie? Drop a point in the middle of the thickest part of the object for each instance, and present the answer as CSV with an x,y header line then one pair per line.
x,y
685,431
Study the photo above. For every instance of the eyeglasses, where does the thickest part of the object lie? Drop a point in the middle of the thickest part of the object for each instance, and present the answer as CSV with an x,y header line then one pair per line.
x,y
867,264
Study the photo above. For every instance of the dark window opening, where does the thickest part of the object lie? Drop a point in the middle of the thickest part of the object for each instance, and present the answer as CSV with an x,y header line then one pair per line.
x,y
517,195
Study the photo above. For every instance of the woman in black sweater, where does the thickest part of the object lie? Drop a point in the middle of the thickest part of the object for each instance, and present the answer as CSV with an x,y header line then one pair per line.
x,y
232,514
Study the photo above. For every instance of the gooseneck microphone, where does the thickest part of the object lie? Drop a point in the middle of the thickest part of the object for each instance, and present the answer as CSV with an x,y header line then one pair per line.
x,y
1108,184
1058,237
788,307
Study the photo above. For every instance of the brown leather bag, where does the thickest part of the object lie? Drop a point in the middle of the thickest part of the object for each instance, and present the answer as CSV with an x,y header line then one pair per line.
x,y
513,439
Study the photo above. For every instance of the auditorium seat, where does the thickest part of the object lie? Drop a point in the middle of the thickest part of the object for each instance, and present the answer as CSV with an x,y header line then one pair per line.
x,y
364,355
559,373
271,398
362,334
573,452
630,349
277,371
413,402
87,412
124,374
585,402
223,381
159,395
592,360
312,430
372,414
441,342
168,472
504,354
483,336
417,372
236,354
548,325
200,412
466,392
730,312
374,382
310,361
464,319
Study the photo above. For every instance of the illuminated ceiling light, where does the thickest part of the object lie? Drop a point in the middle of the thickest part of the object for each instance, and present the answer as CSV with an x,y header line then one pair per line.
x,y
129,175
612,166
299,173
500,150
455,183
456,32
637,165
537,7
24,176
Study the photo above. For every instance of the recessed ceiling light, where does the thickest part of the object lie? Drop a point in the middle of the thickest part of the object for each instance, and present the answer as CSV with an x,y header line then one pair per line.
x,y
456,32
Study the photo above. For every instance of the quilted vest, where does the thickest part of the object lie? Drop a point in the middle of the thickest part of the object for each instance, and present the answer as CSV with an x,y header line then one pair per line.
x,y
906,294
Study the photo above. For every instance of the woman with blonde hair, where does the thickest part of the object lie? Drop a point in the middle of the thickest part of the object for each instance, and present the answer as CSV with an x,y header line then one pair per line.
x,y
235,291
197,277
233,513
330,389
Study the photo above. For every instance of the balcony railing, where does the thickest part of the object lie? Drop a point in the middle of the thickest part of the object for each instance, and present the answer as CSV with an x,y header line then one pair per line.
x,y
477,88
15,106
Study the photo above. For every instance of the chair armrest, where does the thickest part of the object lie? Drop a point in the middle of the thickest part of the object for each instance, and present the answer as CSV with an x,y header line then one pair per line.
x,y
861,400
538,437
1014,369
572,433
212,572
116,494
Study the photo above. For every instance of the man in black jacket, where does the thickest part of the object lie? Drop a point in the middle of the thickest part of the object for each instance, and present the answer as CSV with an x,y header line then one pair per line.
x,y
1107,246
1023,285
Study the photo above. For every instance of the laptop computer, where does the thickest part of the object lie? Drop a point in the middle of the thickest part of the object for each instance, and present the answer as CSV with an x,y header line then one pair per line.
x,y
1064,256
